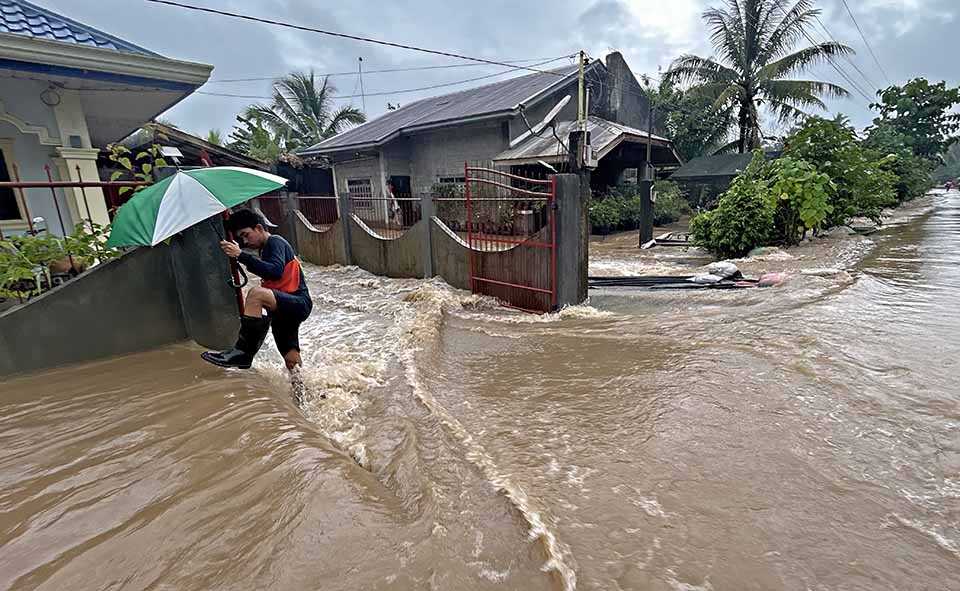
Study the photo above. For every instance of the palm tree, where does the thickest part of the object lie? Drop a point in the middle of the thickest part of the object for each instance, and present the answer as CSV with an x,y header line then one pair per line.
x,y
214,137
303,114
754,64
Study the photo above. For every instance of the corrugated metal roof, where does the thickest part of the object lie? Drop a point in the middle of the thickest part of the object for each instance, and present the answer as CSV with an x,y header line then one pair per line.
x,y
604,136
19,17
723,165
465,104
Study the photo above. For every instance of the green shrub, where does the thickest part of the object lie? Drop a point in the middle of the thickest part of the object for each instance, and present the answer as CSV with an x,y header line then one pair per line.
x,y
800,195
863,186
744,217
605,215
670,205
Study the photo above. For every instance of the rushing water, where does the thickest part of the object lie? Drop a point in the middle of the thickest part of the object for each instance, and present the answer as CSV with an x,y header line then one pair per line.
x,y
804,437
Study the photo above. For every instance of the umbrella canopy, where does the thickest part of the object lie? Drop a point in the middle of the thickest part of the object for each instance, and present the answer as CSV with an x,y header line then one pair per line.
x,y
180,201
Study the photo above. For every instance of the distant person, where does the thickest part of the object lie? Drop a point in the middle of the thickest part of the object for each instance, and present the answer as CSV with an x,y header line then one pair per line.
x,y
393,205
282,294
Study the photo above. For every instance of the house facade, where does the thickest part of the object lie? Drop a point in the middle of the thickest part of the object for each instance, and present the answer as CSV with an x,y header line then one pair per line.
x,y
426,143
68,90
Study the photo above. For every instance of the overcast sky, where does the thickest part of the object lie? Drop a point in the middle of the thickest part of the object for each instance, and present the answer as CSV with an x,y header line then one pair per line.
x,y
910,37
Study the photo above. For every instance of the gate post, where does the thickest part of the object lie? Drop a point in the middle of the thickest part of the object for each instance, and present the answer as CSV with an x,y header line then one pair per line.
x,y
426,216
346,217
573,235
288,226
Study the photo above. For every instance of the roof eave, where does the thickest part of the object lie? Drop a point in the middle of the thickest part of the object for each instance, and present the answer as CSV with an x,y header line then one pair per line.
x,y
403,130
55,53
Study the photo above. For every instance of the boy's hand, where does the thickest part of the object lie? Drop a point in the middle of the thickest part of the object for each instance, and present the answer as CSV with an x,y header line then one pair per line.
x,y
230,248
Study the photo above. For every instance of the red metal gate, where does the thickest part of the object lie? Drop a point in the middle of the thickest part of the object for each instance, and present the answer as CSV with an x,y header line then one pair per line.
x,y
512,235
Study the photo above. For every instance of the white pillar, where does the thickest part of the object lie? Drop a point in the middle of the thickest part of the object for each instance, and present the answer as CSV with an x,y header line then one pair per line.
x,y
86,159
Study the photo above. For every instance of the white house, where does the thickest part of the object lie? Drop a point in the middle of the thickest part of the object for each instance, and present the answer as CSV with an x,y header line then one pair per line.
x,y
66,90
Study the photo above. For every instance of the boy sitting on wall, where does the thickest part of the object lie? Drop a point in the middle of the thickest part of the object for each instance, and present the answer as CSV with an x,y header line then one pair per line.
x,y
282,294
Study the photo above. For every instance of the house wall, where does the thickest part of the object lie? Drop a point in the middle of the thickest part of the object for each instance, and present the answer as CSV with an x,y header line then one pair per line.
x,y
38,135
442,152
628,103
364,168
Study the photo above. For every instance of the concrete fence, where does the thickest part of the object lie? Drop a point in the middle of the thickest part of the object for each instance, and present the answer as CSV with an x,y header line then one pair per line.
x,y
430,248
147,298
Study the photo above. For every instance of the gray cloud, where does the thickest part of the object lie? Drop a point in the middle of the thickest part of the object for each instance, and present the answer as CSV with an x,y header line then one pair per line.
x,y
909,37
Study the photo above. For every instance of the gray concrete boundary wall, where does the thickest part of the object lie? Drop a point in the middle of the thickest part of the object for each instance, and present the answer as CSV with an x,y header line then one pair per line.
x,y
147,298
431,248
320,247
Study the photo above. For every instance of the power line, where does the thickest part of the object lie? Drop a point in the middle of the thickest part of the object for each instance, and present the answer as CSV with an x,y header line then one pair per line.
x,y
846,58
865,42
342,35
829,58
388,70
390,92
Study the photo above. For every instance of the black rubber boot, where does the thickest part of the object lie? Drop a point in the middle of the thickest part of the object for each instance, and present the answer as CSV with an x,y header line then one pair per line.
x,y
252,333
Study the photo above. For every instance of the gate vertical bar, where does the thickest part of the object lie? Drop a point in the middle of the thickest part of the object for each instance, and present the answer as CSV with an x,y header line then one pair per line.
x,y
63,229
466,188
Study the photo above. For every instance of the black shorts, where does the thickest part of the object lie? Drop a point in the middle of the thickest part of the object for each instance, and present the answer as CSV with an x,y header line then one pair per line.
x,y
291,310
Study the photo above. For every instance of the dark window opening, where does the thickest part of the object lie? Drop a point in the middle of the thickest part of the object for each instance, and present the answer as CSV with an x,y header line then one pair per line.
x,y
9,207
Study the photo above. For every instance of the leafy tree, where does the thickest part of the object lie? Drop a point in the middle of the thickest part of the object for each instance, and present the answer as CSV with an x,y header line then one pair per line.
x,y
913,173
754,42
863,186
214,137
302,113
920,113
139,167
689,120
254,139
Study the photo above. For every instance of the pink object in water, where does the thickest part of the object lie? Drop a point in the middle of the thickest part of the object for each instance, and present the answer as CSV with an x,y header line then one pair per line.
x,y
771,279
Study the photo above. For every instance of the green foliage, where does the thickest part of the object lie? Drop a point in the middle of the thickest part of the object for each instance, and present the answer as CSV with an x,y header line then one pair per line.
x,y
950,169
863,186
800,195
22,260
137,167
921,114
689,120
670,205
619,209
215,137
301,113
25,258
253,138
913,173
756,64
88,243
744,217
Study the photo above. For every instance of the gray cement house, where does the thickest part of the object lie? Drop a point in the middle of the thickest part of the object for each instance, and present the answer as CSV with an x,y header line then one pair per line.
x,y
427,142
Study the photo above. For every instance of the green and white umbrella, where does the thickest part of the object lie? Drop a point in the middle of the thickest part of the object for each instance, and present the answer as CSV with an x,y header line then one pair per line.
x,y
180,201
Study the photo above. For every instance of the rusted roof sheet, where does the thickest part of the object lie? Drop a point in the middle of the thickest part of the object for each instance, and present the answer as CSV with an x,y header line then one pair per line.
x,y
499,97
604,137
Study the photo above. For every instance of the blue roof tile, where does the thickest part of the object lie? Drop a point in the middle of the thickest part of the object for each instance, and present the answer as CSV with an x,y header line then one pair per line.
x,y
20,17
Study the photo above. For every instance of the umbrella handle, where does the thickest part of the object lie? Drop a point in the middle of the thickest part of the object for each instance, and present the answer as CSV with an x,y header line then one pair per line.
x,y
237,270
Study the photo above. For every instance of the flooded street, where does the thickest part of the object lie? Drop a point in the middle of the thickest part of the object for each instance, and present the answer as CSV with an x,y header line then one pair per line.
x,y
802,437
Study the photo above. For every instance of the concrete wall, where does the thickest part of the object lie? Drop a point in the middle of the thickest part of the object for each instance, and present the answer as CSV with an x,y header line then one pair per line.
x,y
320,247
147,298
400,257
628,103
442,152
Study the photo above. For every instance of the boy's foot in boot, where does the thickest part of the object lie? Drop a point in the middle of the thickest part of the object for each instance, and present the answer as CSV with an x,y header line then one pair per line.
x,y
252,333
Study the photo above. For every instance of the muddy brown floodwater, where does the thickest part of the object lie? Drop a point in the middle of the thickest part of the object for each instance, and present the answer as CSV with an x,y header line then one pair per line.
x,y
805,437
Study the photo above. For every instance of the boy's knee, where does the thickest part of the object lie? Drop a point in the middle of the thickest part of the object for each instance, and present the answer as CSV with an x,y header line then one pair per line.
x,y
259,293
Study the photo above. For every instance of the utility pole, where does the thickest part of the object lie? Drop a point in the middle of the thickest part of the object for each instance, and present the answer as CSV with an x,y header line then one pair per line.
x,y
363,97
581,115
646,184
